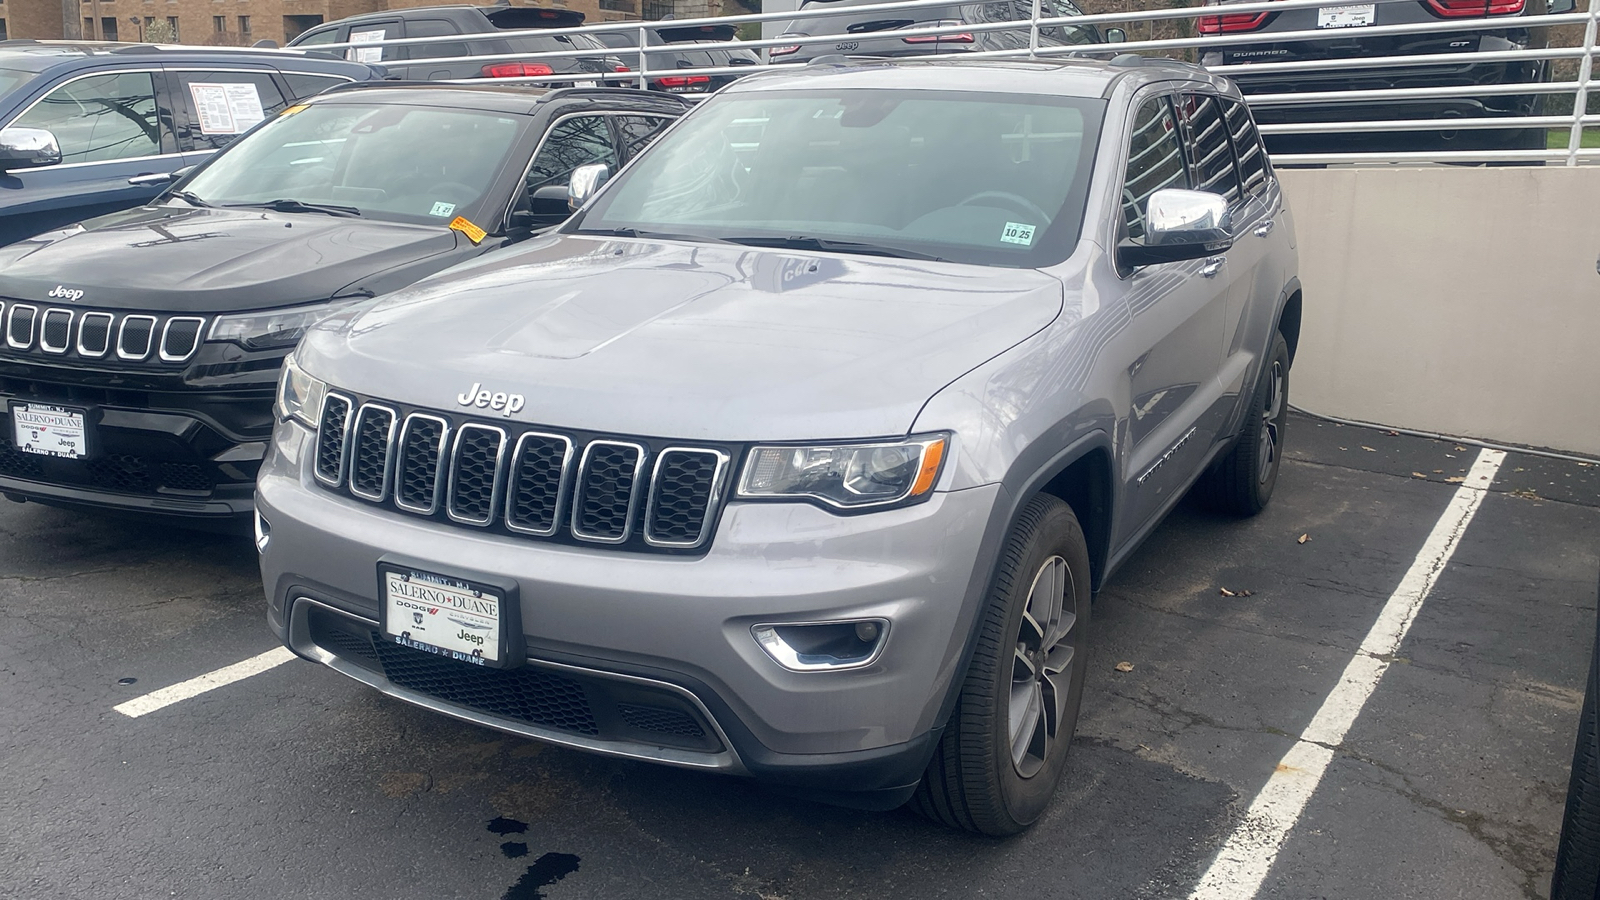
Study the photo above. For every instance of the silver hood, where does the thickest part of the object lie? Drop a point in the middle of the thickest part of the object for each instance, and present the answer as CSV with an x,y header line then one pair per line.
x,y
686,341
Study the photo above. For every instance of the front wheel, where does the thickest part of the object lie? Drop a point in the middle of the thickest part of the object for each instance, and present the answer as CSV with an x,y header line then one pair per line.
x,y
1241,482
1002,754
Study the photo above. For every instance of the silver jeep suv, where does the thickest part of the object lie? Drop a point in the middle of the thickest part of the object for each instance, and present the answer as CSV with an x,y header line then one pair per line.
x,y
799,451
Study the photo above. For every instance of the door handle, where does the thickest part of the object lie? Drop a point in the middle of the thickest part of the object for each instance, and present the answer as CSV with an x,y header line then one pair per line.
x,y
150,178
1265,228
1213,266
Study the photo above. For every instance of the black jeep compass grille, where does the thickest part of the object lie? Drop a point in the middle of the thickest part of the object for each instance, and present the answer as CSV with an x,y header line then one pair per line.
x,y
100,335
566,487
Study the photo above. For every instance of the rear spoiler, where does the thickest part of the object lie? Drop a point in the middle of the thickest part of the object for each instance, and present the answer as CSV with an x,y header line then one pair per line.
x,y
685,33
515,17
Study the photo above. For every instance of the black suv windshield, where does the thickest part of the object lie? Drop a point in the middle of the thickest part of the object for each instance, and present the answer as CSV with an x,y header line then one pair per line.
x,y
996,179
386,161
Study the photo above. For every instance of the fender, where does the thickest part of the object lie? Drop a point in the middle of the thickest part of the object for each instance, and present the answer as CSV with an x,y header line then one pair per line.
x,y
1240,414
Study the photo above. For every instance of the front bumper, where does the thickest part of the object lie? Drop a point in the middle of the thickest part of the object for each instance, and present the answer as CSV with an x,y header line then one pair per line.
x,y
613,621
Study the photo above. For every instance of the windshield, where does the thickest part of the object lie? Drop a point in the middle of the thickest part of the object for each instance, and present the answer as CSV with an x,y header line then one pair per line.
x,y
11,79
994,179
411,163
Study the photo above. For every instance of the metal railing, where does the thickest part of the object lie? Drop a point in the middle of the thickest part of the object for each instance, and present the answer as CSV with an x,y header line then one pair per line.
x,y
1573,118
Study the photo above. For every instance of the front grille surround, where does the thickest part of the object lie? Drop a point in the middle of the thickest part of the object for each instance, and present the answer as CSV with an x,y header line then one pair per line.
x,y
129,336
517,516
52,322
180,337
86,348
384,418
581,499
333,434
458,507
652,531
414,430
20,320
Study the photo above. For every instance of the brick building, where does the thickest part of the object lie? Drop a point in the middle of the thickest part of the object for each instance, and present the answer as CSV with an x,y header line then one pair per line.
x,y
243,22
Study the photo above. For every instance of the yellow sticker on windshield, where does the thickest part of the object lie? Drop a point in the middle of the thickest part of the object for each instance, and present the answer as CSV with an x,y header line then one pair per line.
x,y
293,109
473,232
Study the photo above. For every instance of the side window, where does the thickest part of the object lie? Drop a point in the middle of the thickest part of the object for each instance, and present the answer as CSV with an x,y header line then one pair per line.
x,y
224,105
1253,165
573,142
302,85
1209,151
1155,161
434,50
327,36
101,117
369,33
639,131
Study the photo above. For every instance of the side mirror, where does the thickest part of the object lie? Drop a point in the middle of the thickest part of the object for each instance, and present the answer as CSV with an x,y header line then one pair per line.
x,y
28,148
1115,35
1180,225
586,180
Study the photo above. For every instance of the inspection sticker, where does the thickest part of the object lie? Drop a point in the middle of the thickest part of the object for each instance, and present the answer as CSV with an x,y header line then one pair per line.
x,y
473,232
1017,233
442,209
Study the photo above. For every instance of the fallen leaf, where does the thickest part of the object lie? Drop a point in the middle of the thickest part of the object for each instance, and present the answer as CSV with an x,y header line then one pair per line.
x,y
1460,448
1245,593
1454,479
1226,593
1369,449
1344,448
1124,666
1392,433
1303,538
1438,471
1418,475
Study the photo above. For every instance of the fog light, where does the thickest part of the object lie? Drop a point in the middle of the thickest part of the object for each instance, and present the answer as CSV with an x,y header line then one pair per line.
x,y
263,532
823,646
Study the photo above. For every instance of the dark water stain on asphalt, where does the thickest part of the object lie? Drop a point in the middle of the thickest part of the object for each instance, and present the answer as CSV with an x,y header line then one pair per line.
x,y
503,825
545,871
514,849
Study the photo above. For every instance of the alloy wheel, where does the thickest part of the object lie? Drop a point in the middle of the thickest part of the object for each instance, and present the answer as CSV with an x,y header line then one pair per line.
x,y
1271,426
1041,669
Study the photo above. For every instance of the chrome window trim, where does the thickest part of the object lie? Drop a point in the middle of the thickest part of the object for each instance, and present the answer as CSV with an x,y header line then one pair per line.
x,y
712,503
388,450
110,333
563,485
149,341
43,319
344,440
438,467
499,471
633,494
32,326
199,335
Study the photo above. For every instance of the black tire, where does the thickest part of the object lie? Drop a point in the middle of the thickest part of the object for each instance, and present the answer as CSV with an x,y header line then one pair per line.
x,y
1577,875
975,781
1241,482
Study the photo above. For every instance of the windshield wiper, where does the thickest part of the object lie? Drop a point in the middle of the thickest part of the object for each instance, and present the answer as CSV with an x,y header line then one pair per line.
x,y
191,198
659,235
289,205
801,242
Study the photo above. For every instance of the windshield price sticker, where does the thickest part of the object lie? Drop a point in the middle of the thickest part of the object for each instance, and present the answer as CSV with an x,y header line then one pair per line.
x,y
1017,233
442,615
226,108
1346,16
49,431
473,232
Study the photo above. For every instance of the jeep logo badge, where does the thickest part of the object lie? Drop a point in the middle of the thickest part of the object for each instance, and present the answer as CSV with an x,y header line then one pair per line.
x,y
499,401
66,293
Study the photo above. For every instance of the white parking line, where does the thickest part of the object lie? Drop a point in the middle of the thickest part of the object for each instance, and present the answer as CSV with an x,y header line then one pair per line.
x,y
194,687
1242,863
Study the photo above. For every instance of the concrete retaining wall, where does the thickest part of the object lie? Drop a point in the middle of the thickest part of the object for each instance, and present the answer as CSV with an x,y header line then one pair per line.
x,y
1453,299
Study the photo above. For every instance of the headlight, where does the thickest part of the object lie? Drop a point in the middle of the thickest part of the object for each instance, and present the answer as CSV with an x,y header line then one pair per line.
x,y
846,476
299,395
272,329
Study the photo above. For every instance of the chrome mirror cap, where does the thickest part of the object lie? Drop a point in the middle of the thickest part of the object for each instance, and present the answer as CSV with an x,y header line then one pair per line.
x,y
28,148
1177,216
586,180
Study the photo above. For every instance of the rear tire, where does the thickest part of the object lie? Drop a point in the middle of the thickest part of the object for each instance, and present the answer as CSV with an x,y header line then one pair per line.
x,y
1577,875
1241,482
1003,752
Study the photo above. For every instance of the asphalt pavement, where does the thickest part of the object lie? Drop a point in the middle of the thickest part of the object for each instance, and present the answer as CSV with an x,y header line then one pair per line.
x,y
297,782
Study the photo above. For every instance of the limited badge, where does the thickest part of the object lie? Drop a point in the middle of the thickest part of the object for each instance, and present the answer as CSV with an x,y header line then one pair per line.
x,y
473,232
1017,233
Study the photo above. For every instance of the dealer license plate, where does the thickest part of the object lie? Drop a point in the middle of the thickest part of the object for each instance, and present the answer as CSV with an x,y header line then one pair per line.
x,y
1346,16
49,430
443,615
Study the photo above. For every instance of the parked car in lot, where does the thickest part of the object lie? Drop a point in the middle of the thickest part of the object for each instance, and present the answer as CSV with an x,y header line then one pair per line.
x,y
692,47
799,450
141,349
87,129
874,33
1346,40
432,60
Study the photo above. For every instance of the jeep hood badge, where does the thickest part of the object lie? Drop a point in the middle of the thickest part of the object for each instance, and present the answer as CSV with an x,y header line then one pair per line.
x,y
499,401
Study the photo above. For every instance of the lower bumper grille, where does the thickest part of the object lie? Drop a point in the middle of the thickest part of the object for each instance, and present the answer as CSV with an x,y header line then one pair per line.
x,y
522,695
120,473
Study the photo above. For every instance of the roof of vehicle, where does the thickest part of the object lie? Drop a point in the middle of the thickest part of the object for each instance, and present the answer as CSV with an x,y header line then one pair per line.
x,y
41,56
500,15
1070,77
510,99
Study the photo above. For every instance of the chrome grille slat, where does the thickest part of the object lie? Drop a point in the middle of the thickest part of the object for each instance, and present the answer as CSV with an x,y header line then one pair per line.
x,y
94,334
19,325
55,331
419,477
135,337
180,337
684,488
477,460
536,488
371,451
607,492
333,437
